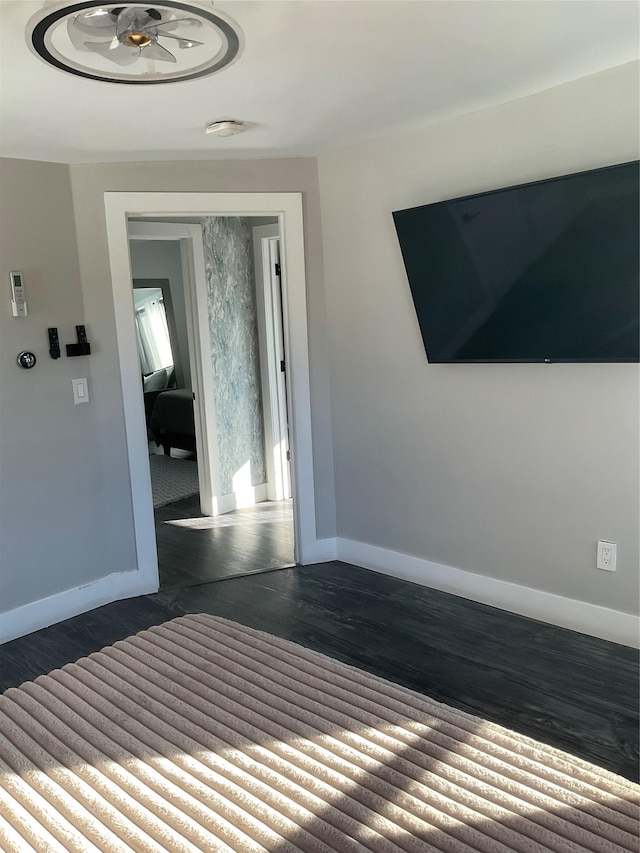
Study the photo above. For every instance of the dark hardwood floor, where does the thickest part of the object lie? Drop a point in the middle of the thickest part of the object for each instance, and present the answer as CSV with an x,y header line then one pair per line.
x,y
193,549
564,688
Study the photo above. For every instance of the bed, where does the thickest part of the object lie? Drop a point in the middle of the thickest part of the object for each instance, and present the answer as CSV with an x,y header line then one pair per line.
x,y
172,421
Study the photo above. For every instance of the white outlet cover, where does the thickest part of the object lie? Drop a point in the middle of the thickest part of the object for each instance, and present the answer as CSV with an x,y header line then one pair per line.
x,y
607,555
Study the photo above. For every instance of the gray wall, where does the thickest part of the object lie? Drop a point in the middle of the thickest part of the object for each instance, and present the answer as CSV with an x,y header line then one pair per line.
x,y
89,183
65,501
233,331
56,497
162,259
510,471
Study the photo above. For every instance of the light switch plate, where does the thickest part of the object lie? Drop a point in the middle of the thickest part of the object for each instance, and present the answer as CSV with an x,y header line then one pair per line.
x,y
80,391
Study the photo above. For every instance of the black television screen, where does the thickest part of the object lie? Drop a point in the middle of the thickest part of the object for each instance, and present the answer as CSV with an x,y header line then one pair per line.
x,y
546,271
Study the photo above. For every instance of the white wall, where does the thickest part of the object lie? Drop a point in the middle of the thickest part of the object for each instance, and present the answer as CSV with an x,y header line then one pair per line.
x,y
162,259
57,525
511,471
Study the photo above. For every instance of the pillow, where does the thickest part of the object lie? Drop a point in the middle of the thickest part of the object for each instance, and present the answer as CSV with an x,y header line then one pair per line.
x,y
156,381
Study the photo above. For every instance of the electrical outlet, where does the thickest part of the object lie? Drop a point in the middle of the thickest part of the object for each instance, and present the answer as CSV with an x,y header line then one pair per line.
x,y
607,553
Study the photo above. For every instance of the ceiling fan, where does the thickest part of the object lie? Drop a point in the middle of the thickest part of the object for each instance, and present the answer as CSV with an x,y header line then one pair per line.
x,y
125,33
135,41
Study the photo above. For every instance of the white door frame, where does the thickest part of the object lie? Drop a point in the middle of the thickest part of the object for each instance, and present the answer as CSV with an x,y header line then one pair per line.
x,y
119,207
191,244
193,277
265,240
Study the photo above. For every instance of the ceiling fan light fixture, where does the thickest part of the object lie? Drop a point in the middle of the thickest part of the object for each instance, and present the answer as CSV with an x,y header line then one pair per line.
x,y
158,42
137,39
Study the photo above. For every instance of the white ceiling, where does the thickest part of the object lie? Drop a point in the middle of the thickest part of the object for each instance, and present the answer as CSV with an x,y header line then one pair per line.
x,y
315,74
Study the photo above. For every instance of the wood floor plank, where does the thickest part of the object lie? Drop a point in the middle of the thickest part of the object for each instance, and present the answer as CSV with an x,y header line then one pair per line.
x,y
567,689
195,550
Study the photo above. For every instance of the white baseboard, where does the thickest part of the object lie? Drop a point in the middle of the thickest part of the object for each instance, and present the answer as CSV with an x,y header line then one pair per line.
x,y
47,611
238,500
569,613
545,606
319,551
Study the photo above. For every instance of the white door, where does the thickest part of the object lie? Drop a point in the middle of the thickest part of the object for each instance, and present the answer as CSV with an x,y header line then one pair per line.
x,y
281,443
273,360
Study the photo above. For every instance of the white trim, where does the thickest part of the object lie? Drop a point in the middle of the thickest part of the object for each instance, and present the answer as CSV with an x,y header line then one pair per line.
x,y
266,241
320,551
275,338
194,276
190,240
569,613
133,402
261,235
238,500
119,206
47,611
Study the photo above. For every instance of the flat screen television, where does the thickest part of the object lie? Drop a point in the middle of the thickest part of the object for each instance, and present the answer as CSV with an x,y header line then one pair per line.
x,y
546,271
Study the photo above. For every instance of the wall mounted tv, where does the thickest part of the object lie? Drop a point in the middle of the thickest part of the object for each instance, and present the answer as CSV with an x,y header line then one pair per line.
x,y
546,271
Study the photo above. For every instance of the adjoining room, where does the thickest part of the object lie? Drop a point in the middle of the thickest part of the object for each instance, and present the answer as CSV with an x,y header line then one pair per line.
x,y
233,514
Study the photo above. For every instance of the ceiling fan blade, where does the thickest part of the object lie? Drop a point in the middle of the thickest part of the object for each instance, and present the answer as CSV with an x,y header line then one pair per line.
x,y
116,52
184,42
156,51
93,21
76,36
170,23
97,13
82,29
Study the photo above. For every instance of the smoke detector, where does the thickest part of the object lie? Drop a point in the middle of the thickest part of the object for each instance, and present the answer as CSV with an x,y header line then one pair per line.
x,y
227,127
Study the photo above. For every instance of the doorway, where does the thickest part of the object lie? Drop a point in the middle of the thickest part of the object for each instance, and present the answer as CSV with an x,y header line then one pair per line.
x,y
287,208
242,523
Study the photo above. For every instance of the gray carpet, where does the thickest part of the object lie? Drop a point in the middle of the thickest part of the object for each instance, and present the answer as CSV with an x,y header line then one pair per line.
x,y
172,479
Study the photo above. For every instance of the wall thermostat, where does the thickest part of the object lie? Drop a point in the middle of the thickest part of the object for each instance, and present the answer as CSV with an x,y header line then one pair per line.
x,y
26,360
18,295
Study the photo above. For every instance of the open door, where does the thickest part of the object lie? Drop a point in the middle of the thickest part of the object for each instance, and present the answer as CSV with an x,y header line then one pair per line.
x,y
266,242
